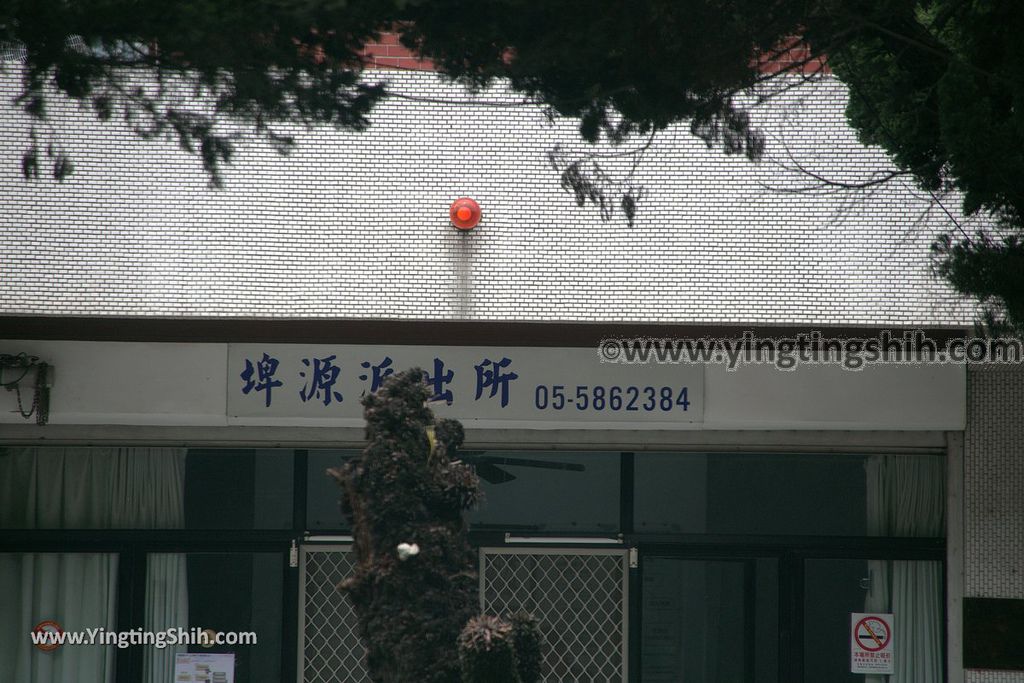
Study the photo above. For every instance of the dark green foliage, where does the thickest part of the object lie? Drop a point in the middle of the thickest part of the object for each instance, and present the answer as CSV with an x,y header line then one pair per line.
x,y
399,491
261,62
528,645
938,85
493,650
487,651
938,90
622,68
990,270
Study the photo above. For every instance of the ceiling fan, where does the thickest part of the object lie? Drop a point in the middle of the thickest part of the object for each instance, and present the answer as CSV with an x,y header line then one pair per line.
x,y
490,468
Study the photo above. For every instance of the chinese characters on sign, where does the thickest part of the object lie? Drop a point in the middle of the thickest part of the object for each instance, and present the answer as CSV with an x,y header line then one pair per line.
x,y
493,374
264,370
319,376
542,386
323,376
439,381
377,373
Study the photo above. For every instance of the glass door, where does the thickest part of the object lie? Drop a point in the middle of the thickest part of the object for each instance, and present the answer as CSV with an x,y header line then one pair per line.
x,y
709,620
786,618
909,590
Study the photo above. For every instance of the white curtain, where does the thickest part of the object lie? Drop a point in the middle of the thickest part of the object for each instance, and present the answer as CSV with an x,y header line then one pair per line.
x,y
85,488
166,607
77,591
906,497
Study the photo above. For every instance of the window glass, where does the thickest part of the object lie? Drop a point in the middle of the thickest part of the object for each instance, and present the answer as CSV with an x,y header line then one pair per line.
x,y
789,494
149,488
523,491
67,591
911,591
323,495
709,620
237,595
242,488
554,491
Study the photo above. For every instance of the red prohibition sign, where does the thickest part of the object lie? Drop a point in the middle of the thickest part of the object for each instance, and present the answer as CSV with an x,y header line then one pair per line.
x,y
872,634
48,627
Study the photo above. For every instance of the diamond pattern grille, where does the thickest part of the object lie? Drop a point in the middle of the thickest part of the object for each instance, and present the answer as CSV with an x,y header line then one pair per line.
x,y
579,600
577,596
332,651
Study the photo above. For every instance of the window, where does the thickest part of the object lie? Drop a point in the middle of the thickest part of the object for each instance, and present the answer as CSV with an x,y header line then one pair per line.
x,y
238,593
147,488
524,491
562,492
323,495
784,494
146,539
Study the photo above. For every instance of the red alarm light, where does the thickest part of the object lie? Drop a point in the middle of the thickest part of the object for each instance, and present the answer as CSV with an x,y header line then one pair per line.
x,y
464,213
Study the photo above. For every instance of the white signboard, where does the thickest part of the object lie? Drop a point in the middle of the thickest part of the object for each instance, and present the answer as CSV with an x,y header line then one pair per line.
x,y
204,668
871,643
488,386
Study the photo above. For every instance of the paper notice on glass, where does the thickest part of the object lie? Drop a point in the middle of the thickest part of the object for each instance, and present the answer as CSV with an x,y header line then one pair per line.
x,y
204,668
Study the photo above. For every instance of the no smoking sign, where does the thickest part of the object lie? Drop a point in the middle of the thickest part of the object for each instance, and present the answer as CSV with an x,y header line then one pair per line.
x,y
871,637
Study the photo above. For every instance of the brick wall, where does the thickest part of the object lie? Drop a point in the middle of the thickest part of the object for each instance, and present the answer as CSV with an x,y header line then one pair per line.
x,y
792,55
391,54
994,492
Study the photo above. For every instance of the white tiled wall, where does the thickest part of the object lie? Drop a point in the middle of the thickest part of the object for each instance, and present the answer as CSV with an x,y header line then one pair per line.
x,y
355,224
994,492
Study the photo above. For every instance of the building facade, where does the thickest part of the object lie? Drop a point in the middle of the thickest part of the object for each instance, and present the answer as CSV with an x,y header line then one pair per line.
x,y
666,521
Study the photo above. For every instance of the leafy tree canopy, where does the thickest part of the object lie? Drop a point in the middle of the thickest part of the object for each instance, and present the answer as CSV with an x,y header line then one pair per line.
x,y
935,82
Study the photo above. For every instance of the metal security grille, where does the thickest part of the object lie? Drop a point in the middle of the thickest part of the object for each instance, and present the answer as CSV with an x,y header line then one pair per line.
x,y
330,647
579,596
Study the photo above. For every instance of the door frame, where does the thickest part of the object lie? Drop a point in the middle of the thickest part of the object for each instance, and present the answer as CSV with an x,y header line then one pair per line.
x,y
791,554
